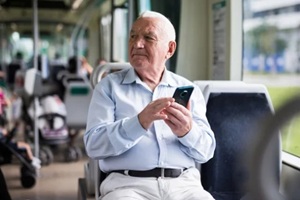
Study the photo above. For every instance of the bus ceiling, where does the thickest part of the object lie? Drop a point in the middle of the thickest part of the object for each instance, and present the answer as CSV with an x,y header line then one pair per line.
x,y
46,4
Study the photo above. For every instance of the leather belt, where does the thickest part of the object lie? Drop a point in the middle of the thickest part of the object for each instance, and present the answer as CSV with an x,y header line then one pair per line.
x,y
156,172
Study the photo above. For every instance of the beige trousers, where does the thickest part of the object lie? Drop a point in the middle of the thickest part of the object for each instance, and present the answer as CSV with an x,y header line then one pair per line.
x,y
122,187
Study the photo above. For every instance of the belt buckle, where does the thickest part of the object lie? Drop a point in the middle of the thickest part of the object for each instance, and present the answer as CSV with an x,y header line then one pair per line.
x,y
162,172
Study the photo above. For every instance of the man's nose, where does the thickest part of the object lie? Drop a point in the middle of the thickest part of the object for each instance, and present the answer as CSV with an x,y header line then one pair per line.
x,y
139,43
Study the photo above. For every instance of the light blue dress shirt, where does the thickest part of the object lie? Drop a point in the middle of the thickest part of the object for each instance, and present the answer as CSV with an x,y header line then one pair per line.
x,y
115,136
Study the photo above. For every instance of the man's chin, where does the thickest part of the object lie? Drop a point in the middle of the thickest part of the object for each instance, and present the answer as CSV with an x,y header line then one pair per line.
x,y
138,62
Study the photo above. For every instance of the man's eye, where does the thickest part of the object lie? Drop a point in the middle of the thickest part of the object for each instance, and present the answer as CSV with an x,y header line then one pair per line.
x,y
149,38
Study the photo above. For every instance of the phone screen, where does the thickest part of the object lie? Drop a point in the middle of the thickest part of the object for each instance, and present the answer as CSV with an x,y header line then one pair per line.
x,y
183,94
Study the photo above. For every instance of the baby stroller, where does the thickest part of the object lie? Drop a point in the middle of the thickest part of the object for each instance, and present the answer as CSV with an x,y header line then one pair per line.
x,y
21,150
51,114
7,149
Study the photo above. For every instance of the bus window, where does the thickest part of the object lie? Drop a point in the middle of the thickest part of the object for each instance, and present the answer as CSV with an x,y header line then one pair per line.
x,y
271,55
144,5
105,34
120,37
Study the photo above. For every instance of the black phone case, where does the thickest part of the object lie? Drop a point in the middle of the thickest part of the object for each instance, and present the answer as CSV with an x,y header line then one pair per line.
x,y
183,94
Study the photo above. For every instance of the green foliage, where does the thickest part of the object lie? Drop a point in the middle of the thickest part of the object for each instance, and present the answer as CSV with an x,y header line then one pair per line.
x,y
265,39
290,132
280,95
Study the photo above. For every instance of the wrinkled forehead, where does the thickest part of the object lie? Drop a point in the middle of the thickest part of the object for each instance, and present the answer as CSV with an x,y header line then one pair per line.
x,y
149,25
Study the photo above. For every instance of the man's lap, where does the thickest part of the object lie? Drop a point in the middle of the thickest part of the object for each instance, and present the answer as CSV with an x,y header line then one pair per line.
x,y
187,186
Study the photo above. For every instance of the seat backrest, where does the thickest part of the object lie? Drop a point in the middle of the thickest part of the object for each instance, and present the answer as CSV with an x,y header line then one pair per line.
x,y
234,111
77,93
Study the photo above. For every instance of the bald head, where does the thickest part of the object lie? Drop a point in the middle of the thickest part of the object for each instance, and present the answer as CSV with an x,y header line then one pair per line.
x,y
169,28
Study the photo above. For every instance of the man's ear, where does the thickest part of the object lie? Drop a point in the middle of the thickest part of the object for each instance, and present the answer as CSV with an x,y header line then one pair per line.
x,y
171,50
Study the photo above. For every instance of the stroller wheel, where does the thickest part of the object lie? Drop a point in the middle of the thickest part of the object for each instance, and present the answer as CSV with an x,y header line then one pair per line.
x,y
43,157
49,154
70,154
78,152
46,155
28,177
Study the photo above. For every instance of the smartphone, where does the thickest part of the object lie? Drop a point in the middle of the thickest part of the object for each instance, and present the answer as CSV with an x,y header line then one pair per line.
x,y
183,94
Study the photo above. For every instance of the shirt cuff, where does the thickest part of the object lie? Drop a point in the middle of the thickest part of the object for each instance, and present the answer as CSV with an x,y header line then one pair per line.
x,y
133,128
189,138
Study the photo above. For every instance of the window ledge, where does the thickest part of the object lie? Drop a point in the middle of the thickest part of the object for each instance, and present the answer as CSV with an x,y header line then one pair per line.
x,y
291,160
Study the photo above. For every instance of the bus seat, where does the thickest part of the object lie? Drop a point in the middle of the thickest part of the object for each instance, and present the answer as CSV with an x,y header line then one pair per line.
x,y
203,85
234,111
77,93
225,175
91,174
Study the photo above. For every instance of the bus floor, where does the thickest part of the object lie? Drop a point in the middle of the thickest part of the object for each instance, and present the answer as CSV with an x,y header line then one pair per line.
x,y
57,181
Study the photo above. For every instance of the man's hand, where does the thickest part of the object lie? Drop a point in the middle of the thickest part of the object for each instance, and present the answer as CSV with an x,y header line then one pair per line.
x,y
179,119
154,111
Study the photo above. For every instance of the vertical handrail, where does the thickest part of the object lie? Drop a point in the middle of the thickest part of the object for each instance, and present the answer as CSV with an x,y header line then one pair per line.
x,y
112,30
99,71
79,28
35,65
1,45
96,172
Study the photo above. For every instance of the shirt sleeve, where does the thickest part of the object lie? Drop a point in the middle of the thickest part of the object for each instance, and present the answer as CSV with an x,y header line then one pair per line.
x,y
200,142
104,136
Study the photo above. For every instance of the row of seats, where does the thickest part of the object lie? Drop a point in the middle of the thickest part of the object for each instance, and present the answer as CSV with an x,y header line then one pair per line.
x,y
235,111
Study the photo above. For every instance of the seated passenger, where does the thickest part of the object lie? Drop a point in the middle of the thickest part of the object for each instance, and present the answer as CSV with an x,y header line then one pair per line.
x,y
146,142
85,68
12,68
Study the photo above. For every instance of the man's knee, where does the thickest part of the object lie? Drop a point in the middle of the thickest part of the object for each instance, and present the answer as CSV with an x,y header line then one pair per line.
x,y
201,195
123,195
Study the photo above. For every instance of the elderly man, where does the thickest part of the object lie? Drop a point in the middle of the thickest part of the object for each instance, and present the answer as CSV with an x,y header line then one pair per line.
x,y
146,142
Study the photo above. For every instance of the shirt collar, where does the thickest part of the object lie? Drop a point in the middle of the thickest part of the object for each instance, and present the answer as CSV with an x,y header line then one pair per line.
x,y
132,77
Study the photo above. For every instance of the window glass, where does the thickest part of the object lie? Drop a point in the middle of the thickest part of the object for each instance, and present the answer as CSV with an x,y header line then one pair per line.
x,y
271,55
54,45
144,5
120,36
105,35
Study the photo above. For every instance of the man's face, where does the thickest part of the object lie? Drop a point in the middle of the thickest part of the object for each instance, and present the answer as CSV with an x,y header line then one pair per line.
x,y
148,44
